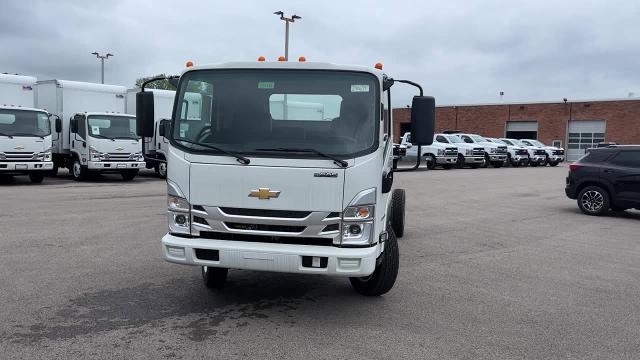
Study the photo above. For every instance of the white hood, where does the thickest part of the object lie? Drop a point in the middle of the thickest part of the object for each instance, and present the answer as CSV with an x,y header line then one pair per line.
x,y
25,144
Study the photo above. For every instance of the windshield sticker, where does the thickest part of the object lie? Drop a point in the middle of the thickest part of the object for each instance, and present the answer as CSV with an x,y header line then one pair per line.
x,y
359,88
266,85
95,130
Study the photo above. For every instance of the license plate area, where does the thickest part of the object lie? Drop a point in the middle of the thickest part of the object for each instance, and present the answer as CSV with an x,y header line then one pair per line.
x,y
21,167
119,166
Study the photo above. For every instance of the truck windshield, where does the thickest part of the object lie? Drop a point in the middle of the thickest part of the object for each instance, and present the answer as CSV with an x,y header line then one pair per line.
x,y
455,139
498,141
538,143
112,126
273,112
24,123
479,138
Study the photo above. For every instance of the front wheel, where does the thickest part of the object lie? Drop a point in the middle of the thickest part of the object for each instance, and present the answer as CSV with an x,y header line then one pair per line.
x,y
36,178
593,200
385,274
460,162
533,164
485,163
397,211
78,171
214,278
474,166
496,164
161,170
129,175
431,161
553,163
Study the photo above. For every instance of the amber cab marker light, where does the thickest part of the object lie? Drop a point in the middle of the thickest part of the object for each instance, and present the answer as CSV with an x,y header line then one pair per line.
x,y
302,59
189,63
378,66
281,58
261,58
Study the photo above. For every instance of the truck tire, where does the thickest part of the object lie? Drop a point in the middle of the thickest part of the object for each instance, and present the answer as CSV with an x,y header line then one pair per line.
x,y
533,163
553,163
460,162
54,170
486,161
214,278
474,166
78,171
496,164
129,175
386,272
594,200
397,212
431,161
36,178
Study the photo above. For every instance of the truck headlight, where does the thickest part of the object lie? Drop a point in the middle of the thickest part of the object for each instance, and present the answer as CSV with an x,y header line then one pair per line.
x,y
468,152
179,214
94,154
440,152
493,150
357,225
47,156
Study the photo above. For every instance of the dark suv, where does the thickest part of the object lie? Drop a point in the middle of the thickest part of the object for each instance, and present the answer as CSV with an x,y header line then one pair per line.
x,y
606,178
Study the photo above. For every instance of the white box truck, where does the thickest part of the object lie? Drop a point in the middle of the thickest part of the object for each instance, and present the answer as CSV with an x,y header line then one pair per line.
x,y
96,135
25,132
249,188
156,145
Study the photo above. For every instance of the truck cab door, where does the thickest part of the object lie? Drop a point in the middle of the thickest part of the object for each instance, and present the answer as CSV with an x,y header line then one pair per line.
x,y
623,171
79,138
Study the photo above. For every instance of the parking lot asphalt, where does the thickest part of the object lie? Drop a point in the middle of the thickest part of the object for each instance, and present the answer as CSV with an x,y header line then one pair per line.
x,y
495,264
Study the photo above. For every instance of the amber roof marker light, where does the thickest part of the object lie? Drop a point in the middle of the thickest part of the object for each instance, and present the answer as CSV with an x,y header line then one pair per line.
x,y
378,66
287,20
189,63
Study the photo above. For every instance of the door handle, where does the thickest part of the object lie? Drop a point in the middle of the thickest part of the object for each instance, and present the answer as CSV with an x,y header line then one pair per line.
x,y
609,171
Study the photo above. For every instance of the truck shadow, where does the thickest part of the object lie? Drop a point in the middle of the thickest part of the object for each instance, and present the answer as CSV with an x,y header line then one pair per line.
x,y
186,306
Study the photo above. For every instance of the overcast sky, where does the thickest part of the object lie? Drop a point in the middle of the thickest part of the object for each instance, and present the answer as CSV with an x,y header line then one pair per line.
x,y
460,51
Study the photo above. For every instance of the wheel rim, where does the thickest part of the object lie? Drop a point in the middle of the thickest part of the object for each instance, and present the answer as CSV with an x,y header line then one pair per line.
x,y
592,200
76,169
162,169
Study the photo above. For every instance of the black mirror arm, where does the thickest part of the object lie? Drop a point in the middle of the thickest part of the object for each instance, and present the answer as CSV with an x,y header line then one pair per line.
x,y
409,82
144,84
412,84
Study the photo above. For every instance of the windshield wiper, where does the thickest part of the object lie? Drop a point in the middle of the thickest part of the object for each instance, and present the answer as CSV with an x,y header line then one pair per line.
x,y
7,135
127,137
241,159
102,137
27,134
337,161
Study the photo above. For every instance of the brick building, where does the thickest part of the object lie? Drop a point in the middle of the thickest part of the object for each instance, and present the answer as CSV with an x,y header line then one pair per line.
x,y
574,125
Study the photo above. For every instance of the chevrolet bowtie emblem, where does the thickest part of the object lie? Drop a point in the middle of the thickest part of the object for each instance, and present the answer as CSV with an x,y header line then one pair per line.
x,y
264,194
119,148
19,147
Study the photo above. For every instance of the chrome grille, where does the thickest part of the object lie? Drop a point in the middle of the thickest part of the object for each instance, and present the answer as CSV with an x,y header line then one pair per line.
x,y
539,152
558,152
243,224
521,152
478,152
119,157
451,152
18,156
502,150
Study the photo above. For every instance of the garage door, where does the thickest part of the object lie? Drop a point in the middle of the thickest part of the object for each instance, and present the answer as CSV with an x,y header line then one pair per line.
x,y
522,130
584,134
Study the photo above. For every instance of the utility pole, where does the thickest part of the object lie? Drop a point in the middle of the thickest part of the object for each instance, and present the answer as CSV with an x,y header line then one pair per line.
x,y
102,58
287,20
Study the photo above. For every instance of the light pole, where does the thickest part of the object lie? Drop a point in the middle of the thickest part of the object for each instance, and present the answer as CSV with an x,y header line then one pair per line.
x,y
286,34
102,57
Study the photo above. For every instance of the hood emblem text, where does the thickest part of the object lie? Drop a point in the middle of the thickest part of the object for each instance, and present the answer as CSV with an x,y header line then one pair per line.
x,y
326,174
264,193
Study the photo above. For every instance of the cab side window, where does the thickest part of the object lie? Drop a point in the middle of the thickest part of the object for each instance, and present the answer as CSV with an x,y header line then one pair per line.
x,y
441,139
467,139
82,127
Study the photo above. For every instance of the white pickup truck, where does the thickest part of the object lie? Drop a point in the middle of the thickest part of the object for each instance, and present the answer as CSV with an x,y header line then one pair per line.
x,y
516,155
470,155
436,154
494,154
554,155
537,156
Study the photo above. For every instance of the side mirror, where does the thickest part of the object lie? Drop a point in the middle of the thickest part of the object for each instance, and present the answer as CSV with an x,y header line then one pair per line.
x,y
74,125
58,124
163,129
144,114
423,120
408,145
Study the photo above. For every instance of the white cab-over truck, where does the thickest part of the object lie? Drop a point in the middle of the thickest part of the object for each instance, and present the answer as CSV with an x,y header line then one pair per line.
x,y
537,156
253,186
25,132
516,155
494,154
96,135
157,145
554,155
436,154
469,155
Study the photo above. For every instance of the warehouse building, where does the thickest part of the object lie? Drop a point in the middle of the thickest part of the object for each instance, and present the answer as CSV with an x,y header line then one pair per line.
x,y
575,125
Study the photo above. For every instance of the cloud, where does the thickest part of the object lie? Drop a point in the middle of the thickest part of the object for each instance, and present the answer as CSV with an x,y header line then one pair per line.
x,y
461,51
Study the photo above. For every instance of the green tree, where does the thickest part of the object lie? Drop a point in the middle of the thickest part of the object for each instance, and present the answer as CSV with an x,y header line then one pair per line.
x,y
160,84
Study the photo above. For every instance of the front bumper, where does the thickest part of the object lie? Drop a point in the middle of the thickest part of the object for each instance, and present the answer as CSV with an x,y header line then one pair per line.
x,y
17,166
519,158
443,160
351,262
538,159
115,165
556,158
474,159
495,157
